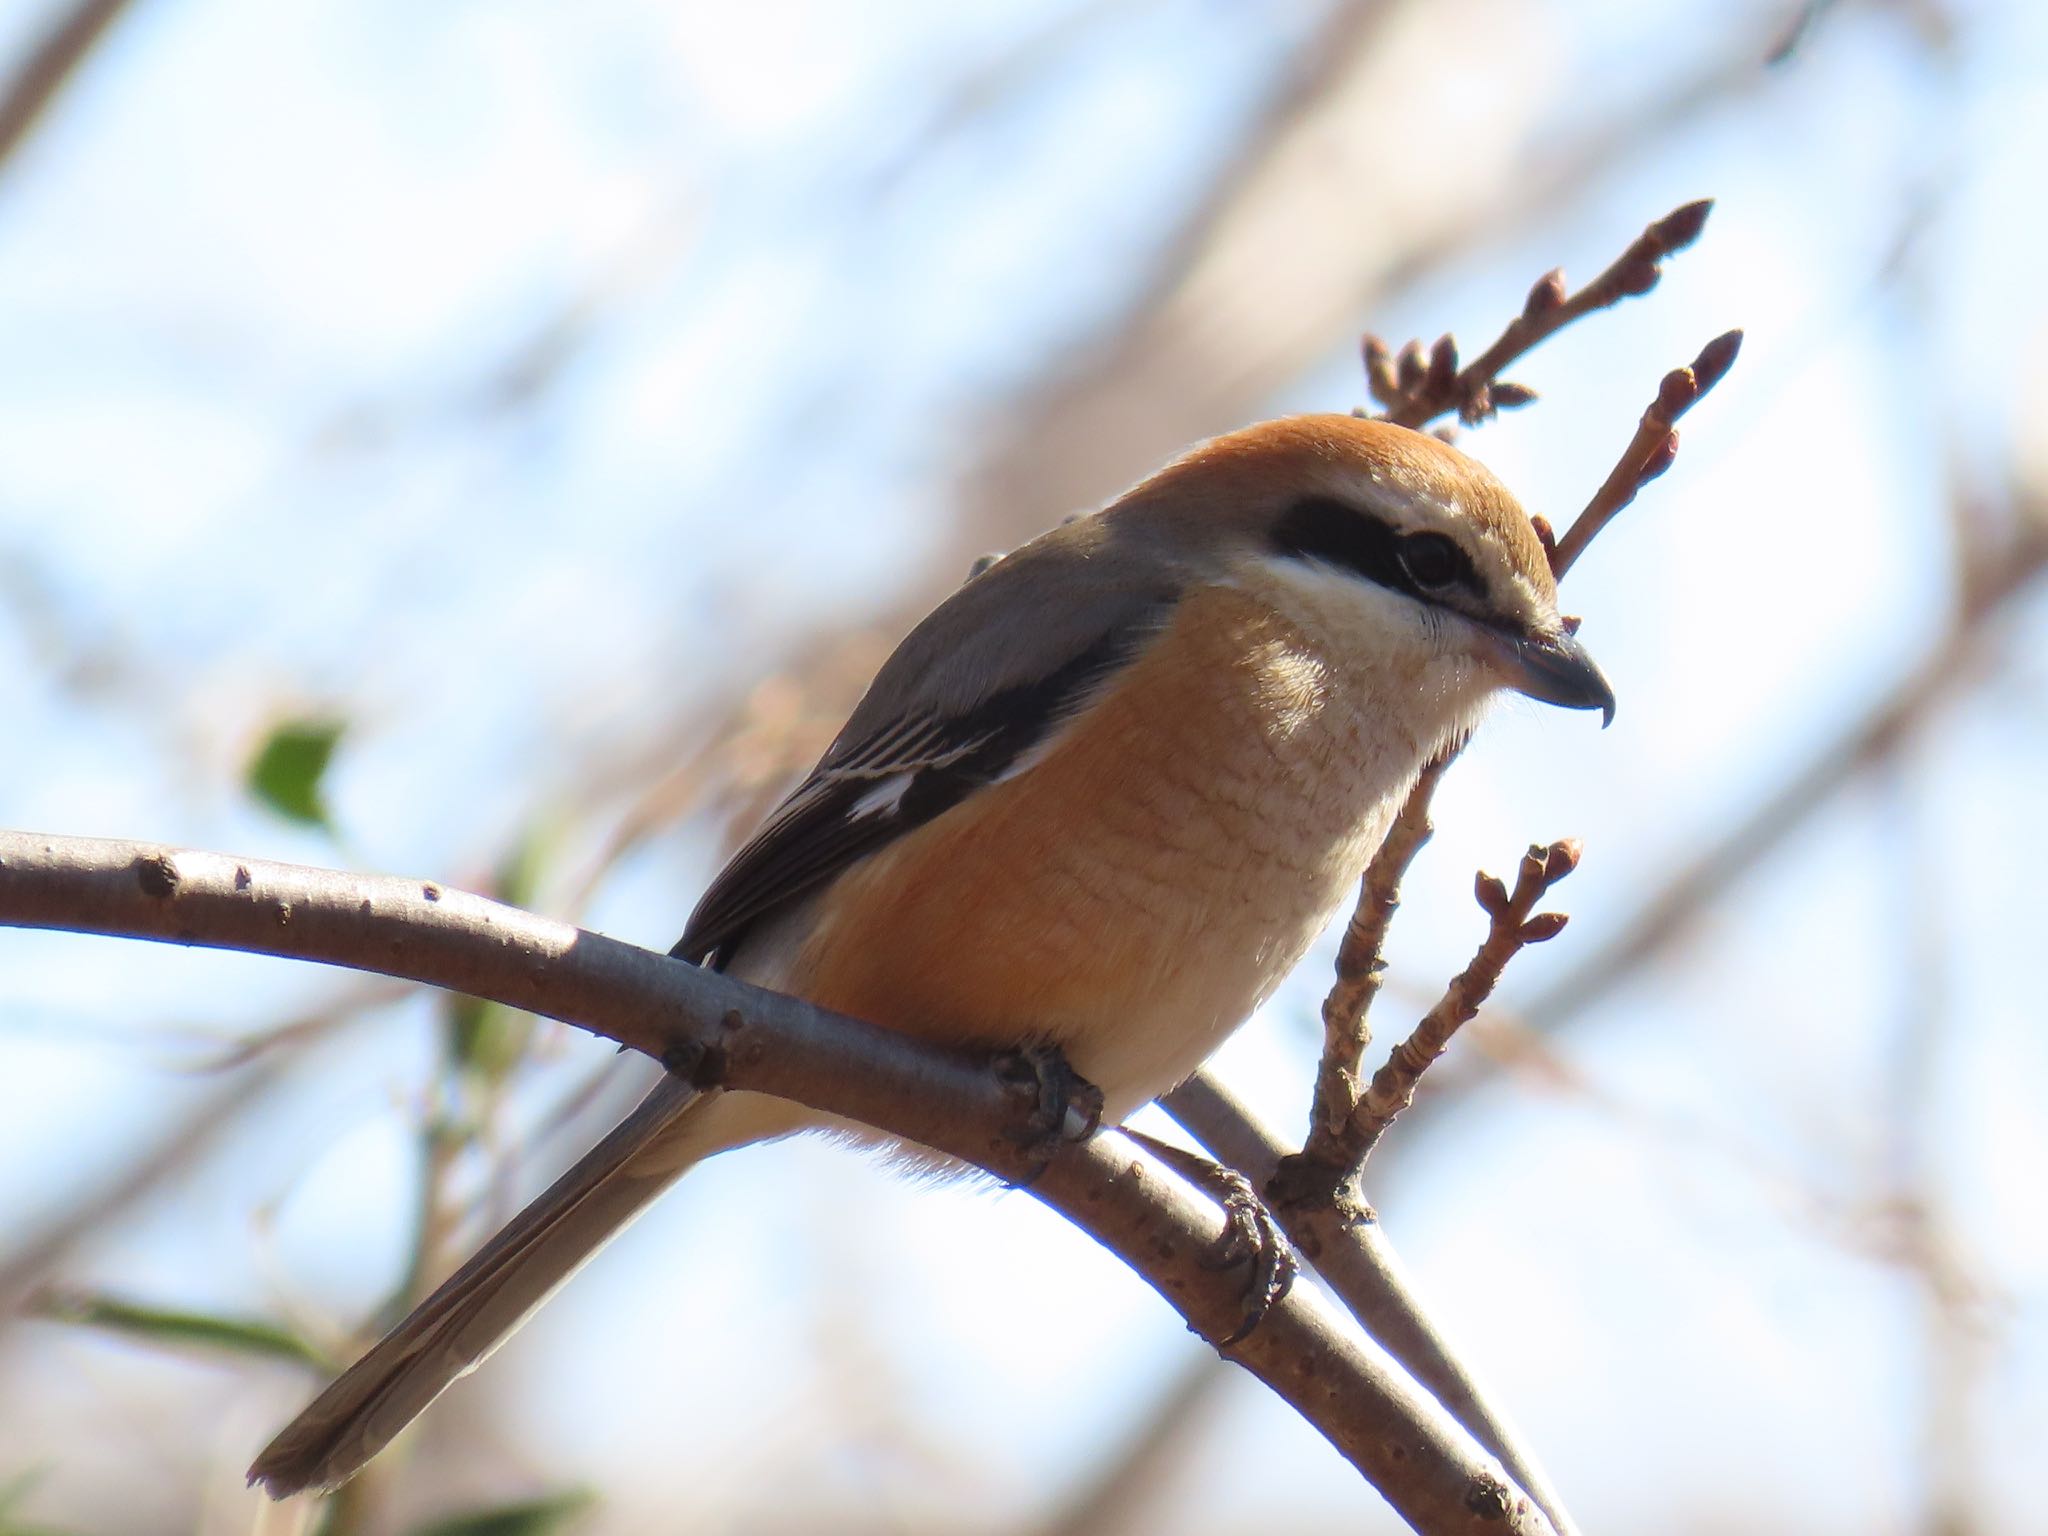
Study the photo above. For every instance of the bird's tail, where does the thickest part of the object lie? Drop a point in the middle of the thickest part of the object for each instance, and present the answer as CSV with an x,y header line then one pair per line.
x,y
478,1307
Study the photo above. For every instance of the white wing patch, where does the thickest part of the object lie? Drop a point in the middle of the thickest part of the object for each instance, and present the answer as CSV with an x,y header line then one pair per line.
x,y
883,799
1034,754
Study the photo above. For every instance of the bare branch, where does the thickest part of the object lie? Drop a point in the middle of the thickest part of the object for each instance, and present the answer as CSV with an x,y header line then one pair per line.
x,y
721,1032
1416,390
1651,451
1315,1193
1349,1249
1514,923
1416,393
1360,965
1649,454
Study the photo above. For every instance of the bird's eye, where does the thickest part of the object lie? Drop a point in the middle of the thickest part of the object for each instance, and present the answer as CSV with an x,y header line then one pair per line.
x,y
1431,560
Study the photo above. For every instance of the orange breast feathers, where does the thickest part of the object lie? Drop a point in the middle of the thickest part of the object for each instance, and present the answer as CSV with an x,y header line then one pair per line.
x,y
1135,893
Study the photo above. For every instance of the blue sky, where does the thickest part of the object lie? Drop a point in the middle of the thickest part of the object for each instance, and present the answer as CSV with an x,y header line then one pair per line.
x,y
263,277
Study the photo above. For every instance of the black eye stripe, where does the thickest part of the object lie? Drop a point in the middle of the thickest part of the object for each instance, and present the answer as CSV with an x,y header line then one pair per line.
x,y
1322,528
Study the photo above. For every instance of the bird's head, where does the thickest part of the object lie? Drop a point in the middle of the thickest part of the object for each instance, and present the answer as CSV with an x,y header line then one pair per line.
x,y
1391,548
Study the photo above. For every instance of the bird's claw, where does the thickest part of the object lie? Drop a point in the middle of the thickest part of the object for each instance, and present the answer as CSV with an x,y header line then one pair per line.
x,y
1250,1236
1065,1107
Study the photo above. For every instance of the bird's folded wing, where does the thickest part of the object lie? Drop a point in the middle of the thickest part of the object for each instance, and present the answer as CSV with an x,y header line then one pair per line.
x,y
992,674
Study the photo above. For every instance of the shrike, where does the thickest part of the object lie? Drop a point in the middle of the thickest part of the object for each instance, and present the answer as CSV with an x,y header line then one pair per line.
x,y
1103,797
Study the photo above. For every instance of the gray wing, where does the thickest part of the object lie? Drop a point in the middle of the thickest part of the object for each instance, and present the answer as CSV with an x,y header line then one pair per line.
x,y
1011,656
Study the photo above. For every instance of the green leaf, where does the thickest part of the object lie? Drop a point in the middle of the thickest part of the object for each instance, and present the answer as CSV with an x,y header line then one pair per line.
x,y
535,1517
518,873
286,771
17,1488
163,1325
9,1526
487,1038
14,1492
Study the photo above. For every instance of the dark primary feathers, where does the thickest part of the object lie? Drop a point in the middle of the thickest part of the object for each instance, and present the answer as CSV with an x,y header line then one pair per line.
x,y
961,701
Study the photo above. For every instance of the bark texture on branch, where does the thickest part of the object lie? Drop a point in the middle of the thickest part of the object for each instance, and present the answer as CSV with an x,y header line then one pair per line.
x,y
727,1033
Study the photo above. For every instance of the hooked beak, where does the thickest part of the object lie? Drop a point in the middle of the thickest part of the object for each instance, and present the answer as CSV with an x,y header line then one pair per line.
x,y
1556,669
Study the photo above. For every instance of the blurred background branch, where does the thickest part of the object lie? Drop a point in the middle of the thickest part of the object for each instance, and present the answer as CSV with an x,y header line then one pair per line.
x,y
47,65
336,332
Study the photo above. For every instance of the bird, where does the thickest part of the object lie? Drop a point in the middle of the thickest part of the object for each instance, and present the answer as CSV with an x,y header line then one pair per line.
x,y
1102,798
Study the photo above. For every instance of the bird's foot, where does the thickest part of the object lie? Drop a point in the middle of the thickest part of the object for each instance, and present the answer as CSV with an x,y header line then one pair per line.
x,y
1065,1107
1250,1234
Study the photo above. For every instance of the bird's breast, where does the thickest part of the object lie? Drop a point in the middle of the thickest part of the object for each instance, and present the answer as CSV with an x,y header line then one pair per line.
x,y
1135,893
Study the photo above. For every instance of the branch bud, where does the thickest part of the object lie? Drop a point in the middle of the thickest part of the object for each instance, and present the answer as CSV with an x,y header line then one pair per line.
x,y
1443,364
1409,366
1715,359
1379,369
1548,293
1560,859
1491,893
1680,227
1676,393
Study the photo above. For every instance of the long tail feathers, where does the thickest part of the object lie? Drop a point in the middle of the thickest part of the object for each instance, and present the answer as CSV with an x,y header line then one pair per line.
x,y
480,1305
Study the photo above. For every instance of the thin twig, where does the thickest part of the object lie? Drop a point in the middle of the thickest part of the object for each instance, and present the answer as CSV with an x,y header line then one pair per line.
x,y
1415,392
1360,962
1346,1030
1651,451
1416,388
1315,1193
1514,922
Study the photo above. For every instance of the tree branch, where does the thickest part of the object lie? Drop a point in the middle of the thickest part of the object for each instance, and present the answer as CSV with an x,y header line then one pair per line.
x,y
1315,1193
1513,923
724,1033
1416,388
1653,448
1350,1252
1346,1030
1415,392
